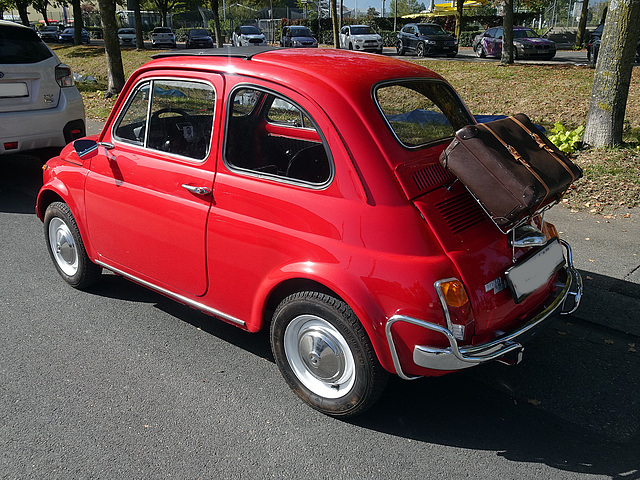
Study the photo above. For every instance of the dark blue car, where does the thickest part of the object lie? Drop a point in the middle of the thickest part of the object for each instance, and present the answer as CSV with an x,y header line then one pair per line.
x,y
67,36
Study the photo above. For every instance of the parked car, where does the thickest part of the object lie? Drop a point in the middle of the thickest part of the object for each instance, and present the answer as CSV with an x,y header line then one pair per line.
x,y
236,183
68,33
360,37
593,45
127,37
50,33
248,36
39,104
198,38
426,39
526,43
297,36
163,36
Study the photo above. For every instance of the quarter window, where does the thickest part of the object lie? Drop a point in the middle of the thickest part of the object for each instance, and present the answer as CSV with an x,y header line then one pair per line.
x,y
271,136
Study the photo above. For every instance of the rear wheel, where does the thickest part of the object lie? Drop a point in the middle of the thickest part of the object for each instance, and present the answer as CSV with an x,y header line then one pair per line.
x,y
325,355
66,248
399,48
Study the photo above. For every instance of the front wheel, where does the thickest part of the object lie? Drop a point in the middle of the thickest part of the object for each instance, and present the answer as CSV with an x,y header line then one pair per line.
x,y
325,355
480,51
66,248
420,50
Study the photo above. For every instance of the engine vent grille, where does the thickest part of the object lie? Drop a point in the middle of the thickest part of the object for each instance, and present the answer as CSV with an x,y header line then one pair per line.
x,y
419,178
461,212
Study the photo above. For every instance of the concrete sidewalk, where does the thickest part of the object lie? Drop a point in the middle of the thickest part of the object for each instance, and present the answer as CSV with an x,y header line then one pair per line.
x,y
606,251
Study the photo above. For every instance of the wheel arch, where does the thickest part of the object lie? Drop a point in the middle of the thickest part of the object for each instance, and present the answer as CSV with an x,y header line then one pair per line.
x,y
356,296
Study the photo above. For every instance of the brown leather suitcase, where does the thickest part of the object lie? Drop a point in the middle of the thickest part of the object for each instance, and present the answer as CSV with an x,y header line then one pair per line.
x,y
510,167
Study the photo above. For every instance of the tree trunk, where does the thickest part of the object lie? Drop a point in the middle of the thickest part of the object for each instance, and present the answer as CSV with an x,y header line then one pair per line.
x,y
111,46
22,6
582,25
612,77
78,24
507,33
334,23
137,22
459,8
216,23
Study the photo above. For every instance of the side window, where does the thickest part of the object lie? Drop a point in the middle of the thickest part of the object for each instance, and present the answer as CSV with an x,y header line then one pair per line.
x,y
271,136
174,116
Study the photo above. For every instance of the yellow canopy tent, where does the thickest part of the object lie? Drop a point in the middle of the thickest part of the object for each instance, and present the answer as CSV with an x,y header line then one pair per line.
x,y
446,8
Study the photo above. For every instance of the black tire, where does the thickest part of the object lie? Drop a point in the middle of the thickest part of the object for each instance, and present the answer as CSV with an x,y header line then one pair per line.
x,y
350,46
399,48
480,51
325,355
420,50
66,248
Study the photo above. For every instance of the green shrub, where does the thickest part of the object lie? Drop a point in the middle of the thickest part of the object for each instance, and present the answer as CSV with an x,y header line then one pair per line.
x,y
568,141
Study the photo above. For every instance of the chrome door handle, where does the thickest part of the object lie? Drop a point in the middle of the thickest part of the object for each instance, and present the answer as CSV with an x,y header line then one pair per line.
x,y
197,190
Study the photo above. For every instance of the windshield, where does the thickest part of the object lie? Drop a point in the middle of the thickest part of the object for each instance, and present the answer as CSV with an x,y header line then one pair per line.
x,y
300,32
21,45
198,32
128,31
162,30
366,30
250,30
431,30
420,112
524,34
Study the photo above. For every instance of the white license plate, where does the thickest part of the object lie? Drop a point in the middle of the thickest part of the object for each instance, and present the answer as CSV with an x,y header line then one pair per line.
x,y
528,276
8,90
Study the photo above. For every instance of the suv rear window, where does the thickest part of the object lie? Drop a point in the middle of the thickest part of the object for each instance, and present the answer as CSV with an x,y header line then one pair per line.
x,y
21,45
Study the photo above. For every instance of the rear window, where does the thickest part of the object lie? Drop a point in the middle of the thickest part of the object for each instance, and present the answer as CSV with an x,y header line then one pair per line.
x,y
21,45
161,30
420,112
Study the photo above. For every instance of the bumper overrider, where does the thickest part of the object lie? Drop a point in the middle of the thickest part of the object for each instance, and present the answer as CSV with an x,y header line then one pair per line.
x,y
565,301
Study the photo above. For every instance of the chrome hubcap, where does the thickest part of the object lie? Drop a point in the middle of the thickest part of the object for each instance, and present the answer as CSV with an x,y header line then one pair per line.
x,y
63,246
319,356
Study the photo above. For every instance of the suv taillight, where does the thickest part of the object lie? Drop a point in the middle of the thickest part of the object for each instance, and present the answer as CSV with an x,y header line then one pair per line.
x,y
64,76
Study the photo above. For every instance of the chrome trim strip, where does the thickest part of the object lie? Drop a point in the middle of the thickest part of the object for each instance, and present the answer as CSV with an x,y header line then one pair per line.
x,y
456,358
175,296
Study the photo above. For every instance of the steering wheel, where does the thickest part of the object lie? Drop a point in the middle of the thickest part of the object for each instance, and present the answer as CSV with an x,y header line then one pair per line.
x,y
162,137
179,111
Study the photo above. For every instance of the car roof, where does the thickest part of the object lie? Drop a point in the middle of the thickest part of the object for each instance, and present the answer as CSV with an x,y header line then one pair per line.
x,y
6,23
310,70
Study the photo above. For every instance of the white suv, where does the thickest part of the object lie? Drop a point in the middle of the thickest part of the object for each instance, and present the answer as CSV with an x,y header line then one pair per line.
x,y
360,37
39,105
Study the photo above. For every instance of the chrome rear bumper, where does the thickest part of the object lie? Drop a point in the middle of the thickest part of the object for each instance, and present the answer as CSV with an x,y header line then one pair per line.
x,y
565,301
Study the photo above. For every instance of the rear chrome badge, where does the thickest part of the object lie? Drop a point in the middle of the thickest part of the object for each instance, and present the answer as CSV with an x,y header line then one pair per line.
x,y
496,285
48,98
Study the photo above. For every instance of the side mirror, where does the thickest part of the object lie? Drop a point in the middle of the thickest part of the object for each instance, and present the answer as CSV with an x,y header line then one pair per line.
x,y
86,149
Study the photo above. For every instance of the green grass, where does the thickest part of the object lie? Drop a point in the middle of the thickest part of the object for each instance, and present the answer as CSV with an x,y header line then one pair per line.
x,y
546,93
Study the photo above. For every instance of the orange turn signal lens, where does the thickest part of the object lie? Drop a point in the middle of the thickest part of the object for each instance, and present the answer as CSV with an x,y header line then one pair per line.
x,y
454,293
549,230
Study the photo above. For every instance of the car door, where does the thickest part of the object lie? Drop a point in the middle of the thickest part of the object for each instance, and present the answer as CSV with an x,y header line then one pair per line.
x,y
148,193
413,38
496,42
344,37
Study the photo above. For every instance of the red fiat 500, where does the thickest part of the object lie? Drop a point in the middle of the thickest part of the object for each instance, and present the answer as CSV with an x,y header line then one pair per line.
x,y
260,187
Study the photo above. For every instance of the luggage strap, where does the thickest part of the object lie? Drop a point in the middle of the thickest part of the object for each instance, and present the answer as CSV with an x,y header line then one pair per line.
x,y
541,143
515,154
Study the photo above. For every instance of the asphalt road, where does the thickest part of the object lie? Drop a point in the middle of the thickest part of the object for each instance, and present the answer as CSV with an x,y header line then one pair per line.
x,y
119,382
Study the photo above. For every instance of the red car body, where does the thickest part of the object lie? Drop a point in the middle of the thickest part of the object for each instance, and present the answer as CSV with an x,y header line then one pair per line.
x,y
379,231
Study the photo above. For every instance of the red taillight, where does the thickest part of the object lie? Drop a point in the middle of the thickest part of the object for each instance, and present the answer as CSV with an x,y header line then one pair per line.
x,y
11,145
64,76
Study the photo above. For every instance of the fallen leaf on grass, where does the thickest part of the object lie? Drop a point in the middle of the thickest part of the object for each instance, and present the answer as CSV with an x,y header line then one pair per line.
x,y
533,401
608,342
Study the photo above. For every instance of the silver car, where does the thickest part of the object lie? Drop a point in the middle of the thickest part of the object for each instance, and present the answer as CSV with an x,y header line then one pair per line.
x,y
39,104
